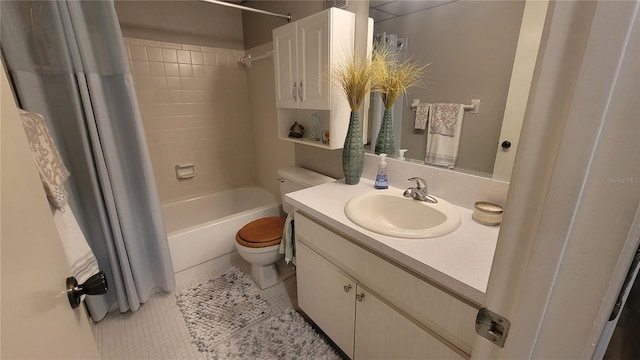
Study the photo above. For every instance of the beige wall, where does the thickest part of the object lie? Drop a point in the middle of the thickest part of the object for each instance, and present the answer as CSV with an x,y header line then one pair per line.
x,y
186,22
257,27
471,46
194,103
270,152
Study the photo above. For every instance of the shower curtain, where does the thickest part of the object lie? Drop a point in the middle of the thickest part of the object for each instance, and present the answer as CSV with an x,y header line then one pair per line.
x,y
67,61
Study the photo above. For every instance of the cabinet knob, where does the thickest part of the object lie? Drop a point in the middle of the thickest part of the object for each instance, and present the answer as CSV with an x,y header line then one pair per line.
x,y
347,288
360,297
506,144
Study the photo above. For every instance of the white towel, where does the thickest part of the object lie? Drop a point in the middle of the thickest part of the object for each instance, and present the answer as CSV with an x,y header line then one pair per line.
x,y
443,137
422,116
288,242
79,255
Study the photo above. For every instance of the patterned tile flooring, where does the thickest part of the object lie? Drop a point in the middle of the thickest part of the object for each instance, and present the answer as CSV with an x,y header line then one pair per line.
x,y
158,331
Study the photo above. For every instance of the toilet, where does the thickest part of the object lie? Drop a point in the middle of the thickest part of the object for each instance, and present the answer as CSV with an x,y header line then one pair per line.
x,y
258,242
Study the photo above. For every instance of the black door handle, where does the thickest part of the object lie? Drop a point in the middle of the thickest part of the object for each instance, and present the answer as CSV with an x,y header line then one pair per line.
x,y
95,285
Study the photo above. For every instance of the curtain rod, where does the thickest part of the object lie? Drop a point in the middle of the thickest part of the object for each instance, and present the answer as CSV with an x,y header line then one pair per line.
x,y
241,7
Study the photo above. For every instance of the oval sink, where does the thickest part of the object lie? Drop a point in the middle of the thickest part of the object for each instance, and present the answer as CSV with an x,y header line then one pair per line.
x,y
387,212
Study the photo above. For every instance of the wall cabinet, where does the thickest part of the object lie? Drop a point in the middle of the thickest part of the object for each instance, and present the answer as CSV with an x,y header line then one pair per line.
x,y
372,308
302,59
304,52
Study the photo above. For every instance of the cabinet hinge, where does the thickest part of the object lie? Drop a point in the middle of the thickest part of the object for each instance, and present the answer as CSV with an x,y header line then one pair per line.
x,y
492,326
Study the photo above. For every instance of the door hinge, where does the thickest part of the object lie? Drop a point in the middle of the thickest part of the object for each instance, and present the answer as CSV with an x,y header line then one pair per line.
x,y
492,326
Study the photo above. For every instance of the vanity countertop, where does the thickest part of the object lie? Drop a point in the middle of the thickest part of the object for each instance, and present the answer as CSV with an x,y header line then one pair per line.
x,y
460,261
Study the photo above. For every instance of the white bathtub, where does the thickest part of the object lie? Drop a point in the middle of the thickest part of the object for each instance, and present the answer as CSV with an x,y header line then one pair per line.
x,y
204,228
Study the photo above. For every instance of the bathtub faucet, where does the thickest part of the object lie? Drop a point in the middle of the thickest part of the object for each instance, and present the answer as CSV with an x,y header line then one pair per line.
x,y
419,192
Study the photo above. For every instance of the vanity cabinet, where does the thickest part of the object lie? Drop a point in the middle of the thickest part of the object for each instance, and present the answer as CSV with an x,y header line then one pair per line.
x,y
372,308
327,296
304,53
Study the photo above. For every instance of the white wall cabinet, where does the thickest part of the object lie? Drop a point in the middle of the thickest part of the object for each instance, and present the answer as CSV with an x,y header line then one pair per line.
x,y
371,308
302,60
304,52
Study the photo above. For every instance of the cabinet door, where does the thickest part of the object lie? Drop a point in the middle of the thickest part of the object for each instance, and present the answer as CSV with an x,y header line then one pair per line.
x,y
326,295
384,333
285,48
313,76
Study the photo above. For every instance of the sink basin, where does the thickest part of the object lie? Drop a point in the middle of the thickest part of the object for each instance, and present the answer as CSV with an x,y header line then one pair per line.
x,y
387,212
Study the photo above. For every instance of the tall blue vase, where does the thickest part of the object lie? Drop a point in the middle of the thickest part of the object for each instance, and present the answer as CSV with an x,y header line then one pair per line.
x,y
353,151
384,142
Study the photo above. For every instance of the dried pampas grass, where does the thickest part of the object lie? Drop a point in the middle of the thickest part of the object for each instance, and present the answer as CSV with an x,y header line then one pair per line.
x,y
396,78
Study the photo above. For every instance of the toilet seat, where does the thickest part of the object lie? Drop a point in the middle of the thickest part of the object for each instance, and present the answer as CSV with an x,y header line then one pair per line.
x,y
261,233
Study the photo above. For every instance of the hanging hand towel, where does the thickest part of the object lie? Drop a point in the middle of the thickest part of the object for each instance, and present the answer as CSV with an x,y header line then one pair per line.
x,y
288,242
422,116
443,137
52,171
79,255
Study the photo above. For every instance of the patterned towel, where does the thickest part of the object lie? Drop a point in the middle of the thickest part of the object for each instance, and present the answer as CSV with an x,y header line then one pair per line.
x,y
52,171
422,116
444,117
443,137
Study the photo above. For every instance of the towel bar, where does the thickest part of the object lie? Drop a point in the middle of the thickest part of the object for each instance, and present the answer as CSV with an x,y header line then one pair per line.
x,y
474,108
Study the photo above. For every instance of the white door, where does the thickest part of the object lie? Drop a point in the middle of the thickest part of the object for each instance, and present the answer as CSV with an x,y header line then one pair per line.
x,y
569,222
327,296
533,20
313,77
285,48
37,320
384,333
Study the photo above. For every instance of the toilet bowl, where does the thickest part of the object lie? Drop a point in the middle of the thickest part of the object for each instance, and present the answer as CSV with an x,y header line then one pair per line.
x,y
258,242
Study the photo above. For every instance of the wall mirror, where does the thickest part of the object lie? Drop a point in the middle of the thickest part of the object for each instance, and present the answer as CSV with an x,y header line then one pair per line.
x,y
473,48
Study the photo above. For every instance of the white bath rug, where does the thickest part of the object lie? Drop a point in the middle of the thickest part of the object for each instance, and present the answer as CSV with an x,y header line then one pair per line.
x,y
218,309
286,336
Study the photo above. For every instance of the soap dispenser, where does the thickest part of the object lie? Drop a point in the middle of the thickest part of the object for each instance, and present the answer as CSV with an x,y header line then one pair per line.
x,y
401,154
381,178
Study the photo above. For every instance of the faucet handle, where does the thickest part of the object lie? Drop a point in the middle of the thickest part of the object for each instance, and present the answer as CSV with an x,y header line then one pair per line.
x,y
420,182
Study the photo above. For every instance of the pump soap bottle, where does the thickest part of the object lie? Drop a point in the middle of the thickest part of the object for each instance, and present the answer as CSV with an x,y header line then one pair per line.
x,y
381,178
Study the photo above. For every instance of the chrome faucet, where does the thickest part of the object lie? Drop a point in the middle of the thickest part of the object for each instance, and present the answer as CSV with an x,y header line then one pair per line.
x,y
419,192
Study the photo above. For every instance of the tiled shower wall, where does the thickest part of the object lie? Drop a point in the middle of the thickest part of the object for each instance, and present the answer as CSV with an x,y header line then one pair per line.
x,y
194,102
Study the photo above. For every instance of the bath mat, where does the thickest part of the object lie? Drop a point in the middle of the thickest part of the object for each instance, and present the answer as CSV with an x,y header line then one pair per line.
x,y
286,336
216,310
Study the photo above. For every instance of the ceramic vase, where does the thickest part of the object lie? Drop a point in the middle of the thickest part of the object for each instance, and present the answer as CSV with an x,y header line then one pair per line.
x,y
384,142
353,151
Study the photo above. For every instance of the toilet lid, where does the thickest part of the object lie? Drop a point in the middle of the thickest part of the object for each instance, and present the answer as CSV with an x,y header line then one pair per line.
x,y
262,232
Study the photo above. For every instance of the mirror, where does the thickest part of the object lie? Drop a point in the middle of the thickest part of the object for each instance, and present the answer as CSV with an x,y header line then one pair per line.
x,y
471,47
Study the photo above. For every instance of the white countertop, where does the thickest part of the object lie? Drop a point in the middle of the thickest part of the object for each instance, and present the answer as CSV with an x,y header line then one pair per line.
x,y
460,261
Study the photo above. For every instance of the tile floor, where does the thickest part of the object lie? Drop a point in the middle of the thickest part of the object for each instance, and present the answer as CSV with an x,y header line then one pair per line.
x,y
157,330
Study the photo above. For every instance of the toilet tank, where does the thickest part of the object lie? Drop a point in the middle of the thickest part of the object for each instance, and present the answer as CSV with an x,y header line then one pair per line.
x,y
296,178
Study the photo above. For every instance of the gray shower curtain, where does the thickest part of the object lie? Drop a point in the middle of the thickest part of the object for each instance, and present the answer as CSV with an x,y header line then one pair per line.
x,y
67,61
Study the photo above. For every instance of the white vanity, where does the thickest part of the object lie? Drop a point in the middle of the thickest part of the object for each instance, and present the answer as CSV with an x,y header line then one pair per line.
x,y
378,296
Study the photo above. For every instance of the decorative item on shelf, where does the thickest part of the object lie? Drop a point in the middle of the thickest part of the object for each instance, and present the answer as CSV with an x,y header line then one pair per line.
x,y
356,77
326,136
315,122
396,78
296,131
